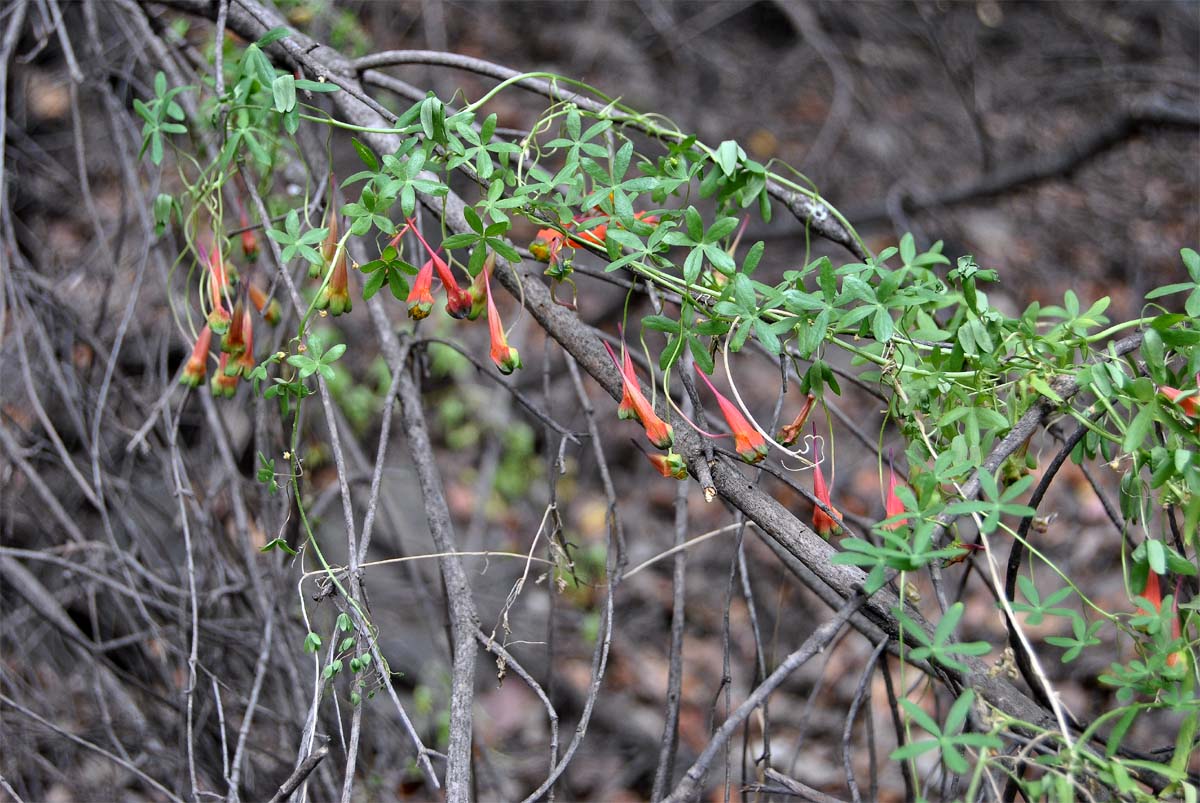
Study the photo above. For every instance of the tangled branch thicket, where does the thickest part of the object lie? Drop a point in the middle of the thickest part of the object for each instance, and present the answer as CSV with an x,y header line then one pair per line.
x,y
395,556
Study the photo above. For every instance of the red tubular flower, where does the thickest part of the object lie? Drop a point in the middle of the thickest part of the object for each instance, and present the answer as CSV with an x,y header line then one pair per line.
x,y
594,236
245,362
420,299
234,341
823,523
507,358
1189,405
458,301
893,504
223,383
477,291
627,409
249,241
197,364
271,312
335,297
659,432
329,244
218,289
669,465
747,442
547,245
1176,629
791,433
1153,591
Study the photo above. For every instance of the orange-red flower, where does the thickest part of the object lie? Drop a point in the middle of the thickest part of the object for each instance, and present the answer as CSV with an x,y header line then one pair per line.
x,y
669,465
234,341
627,409
659,432
548,244
271,312
1153,592
823,523
197,364
420,296
747,441
893,504
245,361
218,289
249,241
791,433
506,357
1189,405
223,382
458,301
477,291
335,296
329,244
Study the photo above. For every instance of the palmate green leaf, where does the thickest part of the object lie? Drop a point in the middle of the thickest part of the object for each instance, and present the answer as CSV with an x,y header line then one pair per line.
x,y
1037,608
938,647
947,738
1084,636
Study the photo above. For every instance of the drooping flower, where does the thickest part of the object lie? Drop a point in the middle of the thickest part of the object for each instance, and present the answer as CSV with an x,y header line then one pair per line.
x,y
747,441
249,241
791,433
627,409
420,296
234,341
335,296
197,364
659,432
1153,593
458,301
329,244
223,383
825,525
1176,628
271,312
219,318
477,290
245,361
1153,590
219,288
506,357
893,505
547,245
669,465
